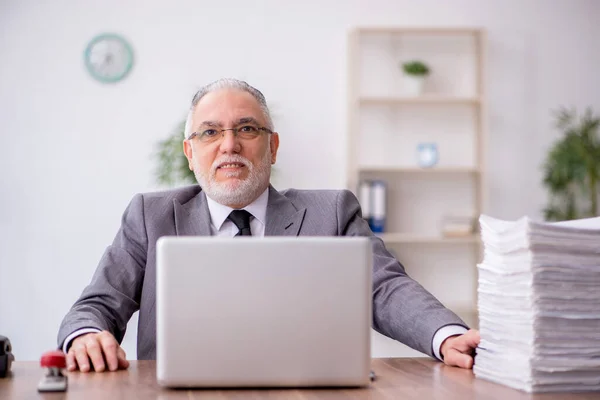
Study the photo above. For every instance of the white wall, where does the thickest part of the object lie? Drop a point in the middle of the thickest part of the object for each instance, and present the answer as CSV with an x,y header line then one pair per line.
x,y
73,151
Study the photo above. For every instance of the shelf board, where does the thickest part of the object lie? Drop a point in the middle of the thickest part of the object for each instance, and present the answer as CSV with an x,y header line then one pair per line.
x,y
394,238
416,170
419,30
427,99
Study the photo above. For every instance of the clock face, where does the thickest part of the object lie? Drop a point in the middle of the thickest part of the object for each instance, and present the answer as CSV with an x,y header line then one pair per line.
x,y
108,58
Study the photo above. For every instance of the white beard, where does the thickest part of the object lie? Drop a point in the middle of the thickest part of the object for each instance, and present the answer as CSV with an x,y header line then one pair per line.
x,y
237,191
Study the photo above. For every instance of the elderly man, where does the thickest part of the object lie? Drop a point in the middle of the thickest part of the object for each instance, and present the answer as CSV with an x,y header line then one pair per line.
x,y
230,144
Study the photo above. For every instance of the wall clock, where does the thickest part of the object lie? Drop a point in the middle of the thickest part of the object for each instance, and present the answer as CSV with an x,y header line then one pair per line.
x,y
108,58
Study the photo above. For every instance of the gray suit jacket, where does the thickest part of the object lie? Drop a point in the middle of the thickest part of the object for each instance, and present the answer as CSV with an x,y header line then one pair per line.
x,y
124,281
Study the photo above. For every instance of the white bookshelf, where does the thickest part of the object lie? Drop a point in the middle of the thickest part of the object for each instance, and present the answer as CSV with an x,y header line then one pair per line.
x,y
385,125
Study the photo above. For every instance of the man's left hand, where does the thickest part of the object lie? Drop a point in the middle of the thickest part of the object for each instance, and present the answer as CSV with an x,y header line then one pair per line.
x,y
457,351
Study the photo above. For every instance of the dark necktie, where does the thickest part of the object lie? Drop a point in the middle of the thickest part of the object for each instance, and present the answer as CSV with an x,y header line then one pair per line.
x,y
241,219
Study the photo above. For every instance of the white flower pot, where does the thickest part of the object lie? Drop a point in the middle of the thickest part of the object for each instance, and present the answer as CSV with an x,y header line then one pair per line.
x,y
413,85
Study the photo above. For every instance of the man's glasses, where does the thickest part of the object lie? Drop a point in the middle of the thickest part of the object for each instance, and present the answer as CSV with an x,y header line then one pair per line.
x,y
245,132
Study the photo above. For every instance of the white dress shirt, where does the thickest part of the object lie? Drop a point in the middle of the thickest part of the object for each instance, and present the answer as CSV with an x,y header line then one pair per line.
x,y
221,226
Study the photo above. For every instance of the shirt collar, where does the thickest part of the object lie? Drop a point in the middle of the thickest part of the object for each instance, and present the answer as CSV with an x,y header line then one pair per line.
x,y
219,212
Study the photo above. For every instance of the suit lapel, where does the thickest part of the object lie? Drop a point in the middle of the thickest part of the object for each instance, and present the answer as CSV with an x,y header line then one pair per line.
x,y
192,218
283,218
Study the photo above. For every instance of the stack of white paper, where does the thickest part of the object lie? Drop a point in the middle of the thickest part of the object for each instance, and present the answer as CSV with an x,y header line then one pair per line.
x,y
539,305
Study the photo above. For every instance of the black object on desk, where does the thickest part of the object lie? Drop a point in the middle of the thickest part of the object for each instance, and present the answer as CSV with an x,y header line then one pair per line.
x,y
6,356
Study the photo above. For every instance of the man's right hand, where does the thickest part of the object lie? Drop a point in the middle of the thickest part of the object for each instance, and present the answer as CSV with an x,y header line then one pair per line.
x,y
101,349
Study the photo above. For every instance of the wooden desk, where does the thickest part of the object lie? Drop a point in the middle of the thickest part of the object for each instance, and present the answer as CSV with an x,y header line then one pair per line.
x,y
399,378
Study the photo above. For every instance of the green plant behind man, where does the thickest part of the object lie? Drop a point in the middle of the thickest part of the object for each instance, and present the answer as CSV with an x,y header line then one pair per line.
x,y
572,167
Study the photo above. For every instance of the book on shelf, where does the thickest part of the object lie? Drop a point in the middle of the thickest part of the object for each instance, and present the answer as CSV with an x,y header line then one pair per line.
x,y
373,202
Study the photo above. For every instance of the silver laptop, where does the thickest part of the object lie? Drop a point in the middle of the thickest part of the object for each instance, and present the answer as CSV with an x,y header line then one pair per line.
x,y
263,312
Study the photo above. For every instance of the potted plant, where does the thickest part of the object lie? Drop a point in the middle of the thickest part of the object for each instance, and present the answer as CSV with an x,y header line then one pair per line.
x,y
572,167
172,165
415,73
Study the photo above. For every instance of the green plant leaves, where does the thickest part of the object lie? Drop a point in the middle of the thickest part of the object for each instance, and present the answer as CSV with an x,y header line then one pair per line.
x,y
572,167
171,163
417,68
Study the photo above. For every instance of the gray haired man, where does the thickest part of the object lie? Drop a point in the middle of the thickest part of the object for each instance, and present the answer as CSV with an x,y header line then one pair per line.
x,y
230,144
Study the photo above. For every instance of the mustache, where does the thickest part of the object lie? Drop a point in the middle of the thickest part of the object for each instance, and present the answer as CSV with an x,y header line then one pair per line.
x,y
233,158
